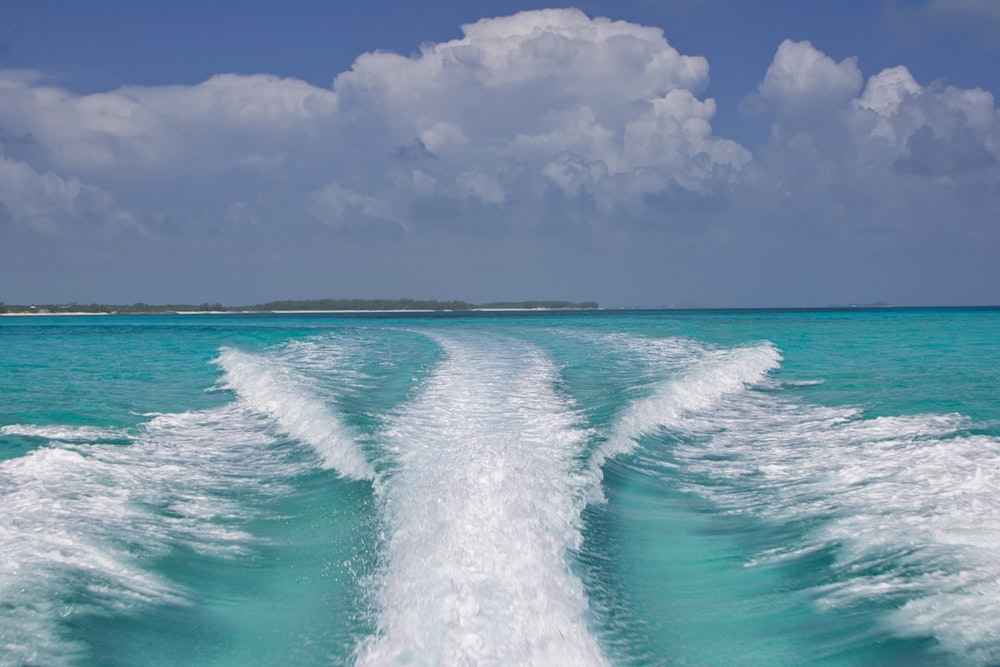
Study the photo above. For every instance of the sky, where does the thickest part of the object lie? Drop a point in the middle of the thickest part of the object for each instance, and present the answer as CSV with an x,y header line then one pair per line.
x,y
639,153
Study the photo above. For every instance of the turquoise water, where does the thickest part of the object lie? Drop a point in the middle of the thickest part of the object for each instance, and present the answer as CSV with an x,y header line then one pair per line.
x,y
598,488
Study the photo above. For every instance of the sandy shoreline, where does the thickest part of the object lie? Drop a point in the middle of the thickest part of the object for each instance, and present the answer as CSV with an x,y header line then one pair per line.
x,y
60,314
292,312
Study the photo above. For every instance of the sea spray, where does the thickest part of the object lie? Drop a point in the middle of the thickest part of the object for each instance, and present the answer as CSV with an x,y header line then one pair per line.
x,y
272,388
84,521
906,506
838,512
692,378
482,512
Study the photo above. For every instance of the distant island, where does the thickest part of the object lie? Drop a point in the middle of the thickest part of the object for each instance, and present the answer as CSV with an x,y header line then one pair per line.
x,y
308,305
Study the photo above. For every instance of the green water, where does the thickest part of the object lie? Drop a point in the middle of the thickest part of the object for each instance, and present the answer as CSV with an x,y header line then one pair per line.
x,y
655,487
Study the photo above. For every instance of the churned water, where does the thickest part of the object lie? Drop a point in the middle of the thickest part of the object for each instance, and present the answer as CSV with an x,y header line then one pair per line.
x,y
589,488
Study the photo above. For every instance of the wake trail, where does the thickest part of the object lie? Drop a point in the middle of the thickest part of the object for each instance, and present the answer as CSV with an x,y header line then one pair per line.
x,y
482,513
268,386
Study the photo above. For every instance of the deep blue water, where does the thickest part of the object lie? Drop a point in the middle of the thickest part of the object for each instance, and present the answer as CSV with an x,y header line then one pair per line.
x,y
625,488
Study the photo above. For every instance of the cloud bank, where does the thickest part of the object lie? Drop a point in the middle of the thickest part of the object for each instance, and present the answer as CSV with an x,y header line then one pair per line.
x,y
541,154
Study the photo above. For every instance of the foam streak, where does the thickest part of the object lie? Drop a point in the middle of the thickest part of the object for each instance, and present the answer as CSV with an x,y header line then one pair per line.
x,y
482,513
272,389
705,378
908,505
82,522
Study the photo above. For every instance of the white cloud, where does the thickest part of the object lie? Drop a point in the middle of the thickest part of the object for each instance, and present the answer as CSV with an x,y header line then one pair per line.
x,y
519,94
885,94
539,123
548,79
916,122
481,116
159,126
484,186
903,110
574,175
893,162
813,98
441,136
676,134
802,79
49,204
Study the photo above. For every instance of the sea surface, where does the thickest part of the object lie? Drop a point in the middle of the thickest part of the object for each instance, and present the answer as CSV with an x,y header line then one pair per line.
x,y
563,488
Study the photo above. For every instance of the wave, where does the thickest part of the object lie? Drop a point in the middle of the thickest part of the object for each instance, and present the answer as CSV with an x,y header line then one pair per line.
x,y
482,510
84,521
272,388
907,506
88,513
691,377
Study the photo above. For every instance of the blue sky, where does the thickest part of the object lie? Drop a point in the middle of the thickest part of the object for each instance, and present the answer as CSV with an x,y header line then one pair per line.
x,y
640,153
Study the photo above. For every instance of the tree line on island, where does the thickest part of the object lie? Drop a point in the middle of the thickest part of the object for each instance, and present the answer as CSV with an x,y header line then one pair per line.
x,y
299,305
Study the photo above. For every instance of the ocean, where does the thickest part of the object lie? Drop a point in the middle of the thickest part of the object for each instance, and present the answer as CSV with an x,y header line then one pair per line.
x,y
545,488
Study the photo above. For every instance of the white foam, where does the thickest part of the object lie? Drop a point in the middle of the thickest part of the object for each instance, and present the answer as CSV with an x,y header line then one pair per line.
x,y
909,505
64,433
482,512
803,383
333,358
693,378
272,388
89,519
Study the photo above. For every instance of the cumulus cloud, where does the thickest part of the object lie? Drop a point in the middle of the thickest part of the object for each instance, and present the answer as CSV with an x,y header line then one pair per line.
x,y
494,113
538,126
337,205
802,79
142,127
533,91
893,118
841,139
895,170
52,205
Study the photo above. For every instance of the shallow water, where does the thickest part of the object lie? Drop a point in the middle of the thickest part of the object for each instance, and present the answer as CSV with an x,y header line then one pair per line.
x,y
633,488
